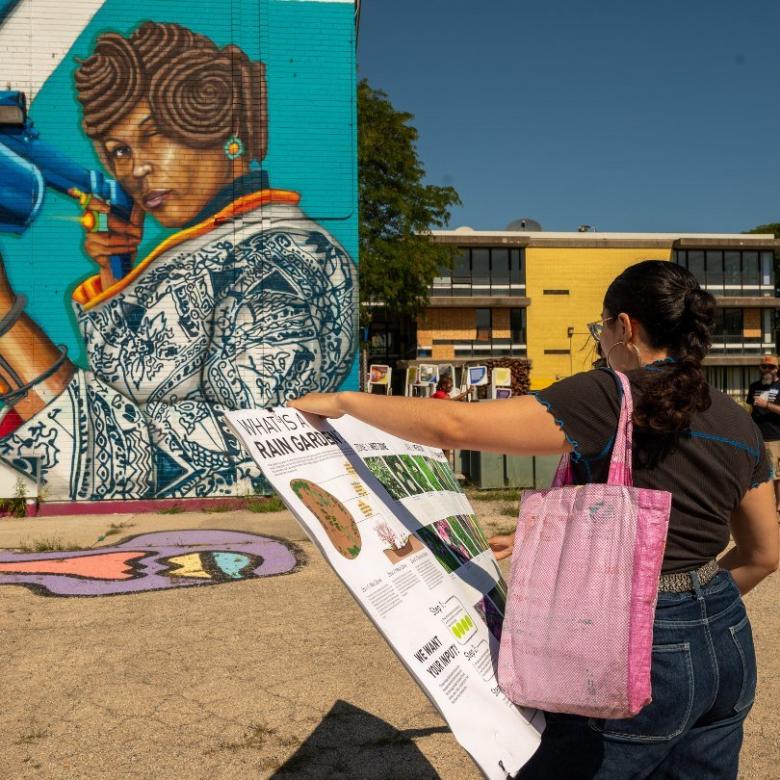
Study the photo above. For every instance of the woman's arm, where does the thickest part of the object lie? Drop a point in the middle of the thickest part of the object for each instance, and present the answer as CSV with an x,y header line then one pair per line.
x,y
27,353
757,543
514,426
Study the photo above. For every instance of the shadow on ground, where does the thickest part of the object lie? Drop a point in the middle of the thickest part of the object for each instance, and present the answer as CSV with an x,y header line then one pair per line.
x,y
350,742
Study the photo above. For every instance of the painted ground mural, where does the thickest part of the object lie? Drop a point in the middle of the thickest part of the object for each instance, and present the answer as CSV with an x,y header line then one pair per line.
x,y
156,561
214,285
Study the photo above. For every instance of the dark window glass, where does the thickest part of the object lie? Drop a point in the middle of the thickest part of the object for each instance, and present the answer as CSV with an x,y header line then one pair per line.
x,y
483,324
680,258
480,266
732,272
751,271
767,269
516,275
499,261
461,269
715,269
732,322
517,325
445,272
696,265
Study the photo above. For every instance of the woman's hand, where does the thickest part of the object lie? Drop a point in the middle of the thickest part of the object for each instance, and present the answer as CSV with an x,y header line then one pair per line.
x,y
502,545
121,238
322,404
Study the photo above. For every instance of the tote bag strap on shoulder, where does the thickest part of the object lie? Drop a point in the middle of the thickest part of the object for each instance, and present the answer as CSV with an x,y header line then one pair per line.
x,y
620,464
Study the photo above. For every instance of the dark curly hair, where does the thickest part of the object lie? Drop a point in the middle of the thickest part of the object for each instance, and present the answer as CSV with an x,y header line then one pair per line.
x,y
677,315
200,95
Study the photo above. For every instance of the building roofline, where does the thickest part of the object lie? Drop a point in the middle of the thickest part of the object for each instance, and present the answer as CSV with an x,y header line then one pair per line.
x,y
606,240
594,236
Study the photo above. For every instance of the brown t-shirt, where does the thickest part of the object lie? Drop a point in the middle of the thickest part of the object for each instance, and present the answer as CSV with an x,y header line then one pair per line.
x,y
707,470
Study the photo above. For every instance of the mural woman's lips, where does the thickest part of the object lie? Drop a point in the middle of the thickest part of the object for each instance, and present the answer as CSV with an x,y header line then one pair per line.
x,y
155,198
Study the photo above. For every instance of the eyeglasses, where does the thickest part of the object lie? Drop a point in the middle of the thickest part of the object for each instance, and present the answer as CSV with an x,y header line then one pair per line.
x,y
768,366
597,328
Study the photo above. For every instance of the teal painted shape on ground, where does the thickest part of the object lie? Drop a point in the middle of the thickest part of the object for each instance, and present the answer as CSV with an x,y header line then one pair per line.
x,y
231,564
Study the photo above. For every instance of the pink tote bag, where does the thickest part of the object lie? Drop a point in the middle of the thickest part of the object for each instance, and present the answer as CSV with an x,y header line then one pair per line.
x,y
578,631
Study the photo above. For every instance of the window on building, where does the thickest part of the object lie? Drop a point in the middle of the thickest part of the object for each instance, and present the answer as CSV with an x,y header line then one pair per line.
x,y
482,271
461,267
484,324
696,266
516,270
767,274
730,272
499,271
714,261
751,273
517,326
768,330
727,322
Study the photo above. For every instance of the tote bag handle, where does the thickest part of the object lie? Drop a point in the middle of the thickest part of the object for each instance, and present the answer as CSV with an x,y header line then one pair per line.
x,y
620,464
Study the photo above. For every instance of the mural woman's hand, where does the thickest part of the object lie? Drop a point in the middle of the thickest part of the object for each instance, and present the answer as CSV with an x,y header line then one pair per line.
x,y
121,238
322,404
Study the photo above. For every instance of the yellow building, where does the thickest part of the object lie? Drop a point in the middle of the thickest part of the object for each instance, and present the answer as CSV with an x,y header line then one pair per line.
x,y
531,294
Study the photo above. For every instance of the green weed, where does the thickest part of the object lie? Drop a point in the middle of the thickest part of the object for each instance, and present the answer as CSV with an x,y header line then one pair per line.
x,y
172,510
504,494
48,544
265,504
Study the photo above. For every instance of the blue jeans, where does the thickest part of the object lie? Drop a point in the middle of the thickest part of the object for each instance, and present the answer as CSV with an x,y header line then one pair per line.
x,y
703,682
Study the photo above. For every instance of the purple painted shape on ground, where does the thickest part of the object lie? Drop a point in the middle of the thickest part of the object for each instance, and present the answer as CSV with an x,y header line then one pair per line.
x,y
153,573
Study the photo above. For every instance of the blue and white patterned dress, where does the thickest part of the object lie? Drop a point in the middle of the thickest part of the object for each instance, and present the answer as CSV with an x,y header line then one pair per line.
x,y
257,311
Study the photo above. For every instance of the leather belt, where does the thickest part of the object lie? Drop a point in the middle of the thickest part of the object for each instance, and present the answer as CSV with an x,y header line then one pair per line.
x,y
683,582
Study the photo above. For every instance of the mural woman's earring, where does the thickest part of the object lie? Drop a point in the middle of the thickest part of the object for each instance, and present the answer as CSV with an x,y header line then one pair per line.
x,y
234,148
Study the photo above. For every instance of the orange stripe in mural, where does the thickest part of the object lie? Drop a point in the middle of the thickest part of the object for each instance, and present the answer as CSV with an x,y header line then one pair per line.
x,y
103,566
90,293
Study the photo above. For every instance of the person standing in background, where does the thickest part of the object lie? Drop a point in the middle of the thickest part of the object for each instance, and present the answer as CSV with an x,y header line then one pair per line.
x,y
763,397
443,390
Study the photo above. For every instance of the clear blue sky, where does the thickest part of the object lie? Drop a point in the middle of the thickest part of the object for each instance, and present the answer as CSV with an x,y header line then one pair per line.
x,y
628,115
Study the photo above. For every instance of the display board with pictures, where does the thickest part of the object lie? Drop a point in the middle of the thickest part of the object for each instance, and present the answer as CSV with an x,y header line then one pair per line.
x,y
396,526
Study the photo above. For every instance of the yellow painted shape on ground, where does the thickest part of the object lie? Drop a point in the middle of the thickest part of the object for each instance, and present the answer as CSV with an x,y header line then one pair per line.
x,y
188,566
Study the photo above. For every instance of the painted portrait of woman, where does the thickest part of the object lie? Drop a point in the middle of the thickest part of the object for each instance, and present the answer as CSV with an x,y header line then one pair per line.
x,y
248,303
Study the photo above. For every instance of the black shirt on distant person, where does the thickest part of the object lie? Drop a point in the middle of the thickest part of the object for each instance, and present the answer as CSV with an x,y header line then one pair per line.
x,y
768,422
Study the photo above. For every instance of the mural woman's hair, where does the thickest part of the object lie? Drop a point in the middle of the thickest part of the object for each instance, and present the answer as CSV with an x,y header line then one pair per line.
x,y
200,95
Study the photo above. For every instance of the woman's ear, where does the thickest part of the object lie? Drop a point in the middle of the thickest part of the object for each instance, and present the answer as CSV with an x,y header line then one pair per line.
x,y
626,329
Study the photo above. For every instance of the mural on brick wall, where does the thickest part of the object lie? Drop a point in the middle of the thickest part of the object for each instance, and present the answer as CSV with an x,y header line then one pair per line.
x,y
156,561
241,299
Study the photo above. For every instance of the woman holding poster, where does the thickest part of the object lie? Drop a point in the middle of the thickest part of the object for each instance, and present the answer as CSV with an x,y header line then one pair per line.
x,y
690,440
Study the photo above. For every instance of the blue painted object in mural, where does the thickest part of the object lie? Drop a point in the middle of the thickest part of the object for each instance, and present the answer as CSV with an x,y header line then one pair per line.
x,y
27,165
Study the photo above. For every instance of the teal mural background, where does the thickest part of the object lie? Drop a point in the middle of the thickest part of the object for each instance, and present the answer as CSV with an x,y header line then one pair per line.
x,y
309,52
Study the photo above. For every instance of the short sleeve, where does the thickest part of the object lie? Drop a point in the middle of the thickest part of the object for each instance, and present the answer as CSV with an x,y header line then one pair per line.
x,y
586,407
762,471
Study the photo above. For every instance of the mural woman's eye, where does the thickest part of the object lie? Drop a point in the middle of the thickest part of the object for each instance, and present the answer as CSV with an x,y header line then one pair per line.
x,y
120,152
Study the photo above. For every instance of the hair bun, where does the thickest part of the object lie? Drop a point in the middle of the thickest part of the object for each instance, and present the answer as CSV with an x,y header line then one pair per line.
x,y
699,303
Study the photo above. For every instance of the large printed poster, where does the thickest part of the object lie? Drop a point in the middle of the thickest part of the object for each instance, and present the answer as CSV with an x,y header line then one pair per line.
x,y
393,522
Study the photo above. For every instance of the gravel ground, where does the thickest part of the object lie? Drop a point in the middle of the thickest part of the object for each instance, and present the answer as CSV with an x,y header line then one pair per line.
x,y
278,677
